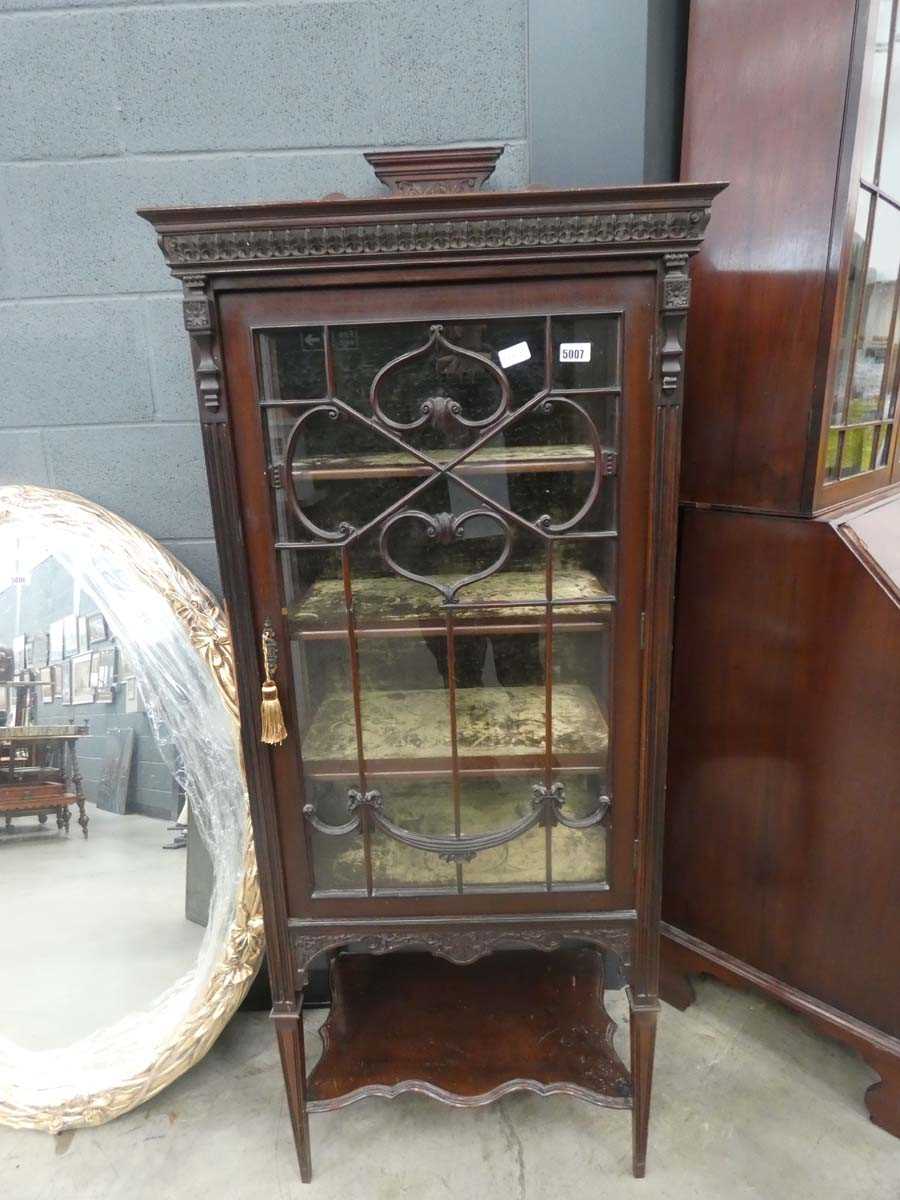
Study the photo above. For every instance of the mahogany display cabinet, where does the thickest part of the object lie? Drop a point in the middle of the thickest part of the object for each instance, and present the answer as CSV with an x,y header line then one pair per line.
x,y
442,437
783,811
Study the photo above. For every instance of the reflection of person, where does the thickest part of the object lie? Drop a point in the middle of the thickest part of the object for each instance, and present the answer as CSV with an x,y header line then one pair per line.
x,y
490,661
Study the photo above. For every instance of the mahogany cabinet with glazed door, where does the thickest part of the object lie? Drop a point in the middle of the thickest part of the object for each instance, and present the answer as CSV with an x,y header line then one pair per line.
x,y
442,435
783,810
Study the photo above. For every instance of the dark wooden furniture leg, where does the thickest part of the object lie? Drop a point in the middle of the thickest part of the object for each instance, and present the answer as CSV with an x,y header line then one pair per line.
x,y
79,794
883,1098
289,1028
643,1042
675,968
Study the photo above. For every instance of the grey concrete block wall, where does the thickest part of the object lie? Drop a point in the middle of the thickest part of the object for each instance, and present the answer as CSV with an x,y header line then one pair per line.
x,y
110,105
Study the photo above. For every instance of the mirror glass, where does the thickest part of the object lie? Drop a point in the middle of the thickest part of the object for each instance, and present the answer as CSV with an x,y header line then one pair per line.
x,y
104,881
123,816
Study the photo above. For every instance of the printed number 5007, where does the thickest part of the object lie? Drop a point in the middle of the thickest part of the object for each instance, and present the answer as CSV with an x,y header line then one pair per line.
x,y
578,352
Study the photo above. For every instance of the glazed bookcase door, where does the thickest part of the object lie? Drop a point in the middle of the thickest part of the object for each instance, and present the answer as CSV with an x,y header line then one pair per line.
x,y
452,532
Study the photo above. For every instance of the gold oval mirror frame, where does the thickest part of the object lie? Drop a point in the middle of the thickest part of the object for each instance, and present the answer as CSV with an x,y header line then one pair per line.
x,y
233,963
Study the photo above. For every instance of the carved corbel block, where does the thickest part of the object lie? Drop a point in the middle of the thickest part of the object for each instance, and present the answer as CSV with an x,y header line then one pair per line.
x,y
676,297
199,323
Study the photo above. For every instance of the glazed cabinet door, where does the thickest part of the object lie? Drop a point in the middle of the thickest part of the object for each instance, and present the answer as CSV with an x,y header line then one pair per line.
x,y
445,494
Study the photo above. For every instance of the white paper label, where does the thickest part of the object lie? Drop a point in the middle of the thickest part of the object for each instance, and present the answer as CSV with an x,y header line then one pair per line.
x,y
514,354
575,352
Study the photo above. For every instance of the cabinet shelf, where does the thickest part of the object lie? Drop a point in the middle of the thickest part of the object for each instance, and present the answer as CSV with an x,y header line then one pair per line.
x,y
489,460
388,602
471,1033
498,727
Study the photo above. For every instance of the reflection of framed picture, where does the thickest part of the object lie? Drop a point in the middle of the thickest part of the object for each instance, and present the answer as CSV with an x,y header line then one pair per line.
x,y
41,651
56,641
65,686
105,667
46,685
4,697
29,653
70,635
19,653
96,628
13,706
57,673
82,635
82,692
132,702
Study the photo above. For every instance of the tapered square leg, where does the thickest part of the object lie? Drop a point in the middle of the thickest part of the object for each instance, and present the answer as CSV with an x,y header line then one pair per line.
x,y
643,1042
289,1029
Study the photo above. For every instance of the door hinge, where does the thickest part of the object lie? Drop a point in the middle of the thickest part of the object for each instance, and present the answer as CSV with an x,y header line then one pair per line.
x,y
635,853
652,361
643,630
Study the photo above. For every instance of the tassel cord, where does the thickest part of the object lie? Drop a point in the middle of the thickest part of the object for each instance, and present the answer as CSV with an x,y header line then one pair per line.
x,y
273,731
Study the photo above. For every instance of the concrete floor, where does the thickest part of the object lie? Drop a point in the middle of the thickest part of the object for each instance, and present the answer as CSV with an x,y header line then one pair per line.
x,y
106,915
749,1103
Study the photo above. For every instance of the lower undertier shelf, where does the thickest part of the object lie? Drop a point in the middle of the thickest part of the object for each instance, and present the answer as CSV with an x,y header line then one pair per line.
x,y
513,1021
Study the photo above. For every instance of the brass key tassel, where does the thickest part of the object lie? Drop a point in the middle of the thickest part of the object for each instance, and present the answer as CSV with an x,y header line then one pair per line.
x,y
273,730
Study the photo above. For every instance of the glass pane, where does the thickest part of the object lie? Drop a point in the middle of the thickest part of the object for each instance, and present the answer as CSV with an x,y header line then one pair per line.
x,y
871,103
857,450
831,454
421,807
889,172
580,855
873,352
884,444
449,610
570,445
585,352
852,301
297,358
490,804
338,862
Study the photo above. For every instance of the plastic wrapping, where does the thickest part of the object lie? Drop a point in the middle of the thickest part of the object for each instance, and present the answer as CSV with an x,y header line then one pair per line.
x,y
177,641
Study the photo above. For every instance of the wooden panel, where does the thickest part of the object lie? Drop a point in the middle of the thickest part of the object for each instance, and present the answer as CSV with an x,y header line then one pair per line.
x,y
764,105
783,827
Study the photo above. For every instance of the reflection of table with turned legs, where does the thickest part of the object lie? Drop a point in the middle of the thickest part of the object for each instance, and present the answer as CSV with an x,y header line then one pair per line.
x,y
39,774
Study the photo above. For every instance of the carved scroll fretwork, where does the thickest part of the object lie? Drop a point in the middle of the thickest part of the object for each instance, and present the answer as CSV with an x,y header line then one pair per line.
x,y
461,943
546,810
440,411
198,321
445,529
